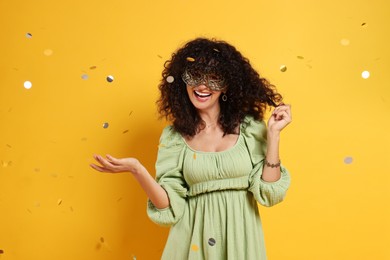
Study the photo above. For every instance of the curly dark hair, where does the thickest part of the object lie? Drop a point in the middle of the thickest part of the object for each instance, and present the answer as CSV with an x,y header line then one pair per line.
x,y
247,93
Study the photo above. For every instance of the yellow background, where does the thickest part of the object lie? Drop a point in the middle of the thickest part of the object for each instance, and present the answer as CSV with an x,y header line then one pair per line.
x,y
53,206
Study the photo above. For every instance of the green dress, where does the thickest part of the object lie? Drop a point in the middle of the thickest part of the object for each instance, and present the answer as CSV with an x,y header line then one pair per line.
x,y
213,196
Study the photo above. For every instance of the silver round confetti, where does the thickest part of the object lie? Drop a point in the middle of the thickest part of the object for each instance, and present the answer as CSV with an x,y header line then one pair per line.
x,y
84,76
28,35
110,78
348,160
170,79
105,125
27,84
212,241
365,74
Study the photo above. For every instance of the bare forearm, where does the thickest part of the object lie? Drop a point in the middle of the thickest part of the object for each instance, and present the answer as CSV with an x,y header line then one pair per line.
x,y
272,174
153,190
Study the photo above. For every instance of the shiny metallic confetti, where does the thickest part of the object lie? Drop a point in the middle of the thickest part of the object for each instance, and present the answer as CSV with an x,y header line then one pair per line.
x,y
59,202
84,139
110,78
348,160
1,251
84,76
344,42
9,146
29,35
300,57
194,247
365,74
190,59
37,170
364,24
170,79
92,67
216,50
212,241
48,52
131,112
159,56
194,156
105,125
27,84
283,68
124,132
102,239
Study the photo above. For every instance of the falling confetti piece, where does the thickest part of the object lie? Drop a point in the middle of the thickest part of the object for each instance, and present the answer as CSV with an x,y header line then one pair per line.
x,y
283,68
170,79
300,57
190,59
110,78
37,169
6,163
194,156
344,42
84,139
92,67
212,241
365,74
29,211
48,52
194,248
105,125
9,146
131,112
1,251
84,76
59,202
102,239
29,35
159,56
348,160
71,209
119,199
124,132
37,204
364,25
27,84
134,257
54,175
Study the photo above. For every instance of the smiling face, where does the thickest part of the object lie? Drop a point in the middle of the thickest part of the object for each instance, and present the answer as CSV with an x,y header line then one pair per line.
x,y
203,98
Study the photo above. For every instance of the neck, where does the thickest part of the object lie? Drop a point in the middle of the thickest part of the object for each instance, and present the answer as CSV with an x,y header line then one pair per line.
x,y
210,117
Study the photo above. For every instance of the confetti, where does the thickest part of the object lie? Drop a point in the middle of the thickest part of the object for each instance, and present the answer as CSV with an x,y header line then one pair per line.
x,y
110,78
48,52
159,56
102,239
84,139
194,248
84,76
105,125
344,42
212,241
365,74
364,25
59,202
300,57
194,156
1,251
283,68
119,199
37,170
92,67
27,84
6,163
124,132
348,160
29,35
190,59
131,112
216,50
170,79
9,146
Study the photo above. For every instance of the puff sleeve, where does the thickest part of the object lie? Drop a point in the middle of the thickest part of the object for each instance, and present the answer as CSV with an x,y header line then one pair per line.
x,y
266,193
169,175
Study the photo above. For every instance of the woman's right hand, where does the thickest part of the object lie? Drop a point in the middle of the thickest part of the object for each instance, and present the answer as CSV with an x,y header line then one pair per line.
x,y
116,165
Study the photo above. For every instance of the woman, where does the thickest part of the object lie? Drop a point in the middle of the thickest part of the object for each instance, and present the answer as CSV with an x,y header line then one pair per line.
x,y
217,159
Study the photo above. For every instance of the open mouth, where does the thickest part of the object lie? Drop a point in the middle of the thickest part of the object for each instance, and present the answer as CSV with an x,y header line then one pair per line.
x,y
202,95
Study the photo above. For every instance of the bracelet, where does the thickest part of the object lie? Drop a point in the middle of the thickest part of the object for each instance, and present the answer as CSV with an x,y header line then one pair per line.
x,y
271,164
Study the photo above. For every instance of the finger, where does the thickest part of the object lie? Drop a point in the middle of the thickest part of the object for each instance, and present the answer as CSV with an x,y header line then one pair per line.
x,y
111,159
283,115
99,168
105,163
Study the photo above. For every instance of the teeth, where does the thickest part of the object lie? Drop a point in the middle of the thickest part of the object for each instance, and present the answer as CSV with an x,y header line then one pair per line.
x,y
202,95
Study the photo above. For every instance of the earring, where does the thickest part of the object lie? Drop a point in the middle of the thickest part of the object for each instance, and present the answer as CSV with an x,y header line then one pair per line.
x,y
224,97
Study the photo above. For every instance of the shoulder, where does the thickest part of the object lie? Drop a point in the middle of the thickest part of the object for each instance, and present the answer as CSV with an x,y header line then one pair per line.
x,y
252,127
170,137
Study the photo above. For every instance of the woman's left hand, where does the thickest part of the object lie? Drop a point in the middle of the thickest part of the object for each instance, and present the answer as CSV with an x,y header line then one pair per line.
x,y
280,118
